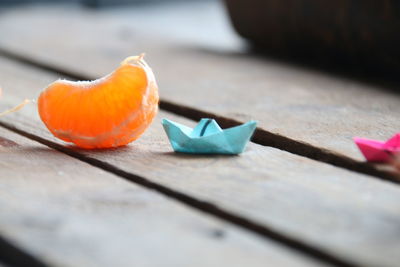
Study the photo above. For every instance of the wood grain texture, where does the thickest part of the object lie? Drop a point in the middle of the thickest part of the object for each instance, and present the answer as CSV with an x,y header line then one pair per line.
x,y
352,216
199,63
68,213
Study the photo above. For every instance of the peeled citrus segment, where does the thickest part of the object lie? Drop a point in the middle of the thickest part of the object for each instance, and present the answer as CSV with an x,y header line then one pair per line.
x,y
108,112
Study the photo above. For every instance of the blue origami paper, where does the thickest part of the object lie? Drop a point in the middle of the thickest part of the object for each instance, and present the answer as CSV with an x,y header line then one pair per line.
x,y
208,138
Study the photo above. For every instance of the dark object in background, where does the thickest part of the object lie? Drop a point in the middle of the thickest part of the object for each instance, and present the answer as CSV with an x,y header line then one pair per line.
x,y
360,34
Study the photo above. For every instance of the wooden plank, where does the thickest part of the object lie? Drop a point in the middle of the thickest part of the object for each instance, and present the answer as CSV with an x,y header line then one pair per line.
x,y
204,66
68,213
348,215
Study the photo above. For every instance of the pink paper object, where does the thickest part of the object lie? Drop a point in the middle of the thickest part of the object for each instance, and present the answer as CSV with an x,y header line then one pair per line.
x,y
377,151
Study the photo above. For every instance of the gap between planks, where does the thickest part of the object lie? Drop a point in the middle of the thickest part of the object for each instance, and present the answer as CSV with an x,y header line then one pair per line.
x,y
261,136
79,204
13,256
193,202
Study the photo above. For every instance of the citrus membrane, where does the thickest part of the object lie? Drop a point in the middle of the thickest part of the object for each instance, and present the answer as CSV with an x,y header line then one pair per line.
x,y
108,112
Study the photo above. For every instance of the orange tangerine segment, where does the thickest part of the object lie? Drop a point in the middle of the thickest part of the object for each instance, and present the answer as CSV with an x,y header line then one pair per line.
x,y
108,112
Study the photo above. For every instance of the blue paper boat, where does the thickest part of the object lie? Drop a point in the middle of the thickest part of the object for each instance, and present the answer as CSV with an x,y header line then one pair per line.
x,y
208,138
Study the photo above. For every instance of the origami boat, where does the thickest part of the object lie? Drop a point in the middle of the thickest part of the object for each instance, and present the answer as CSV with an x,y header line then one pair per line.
x,y
377,151
208,138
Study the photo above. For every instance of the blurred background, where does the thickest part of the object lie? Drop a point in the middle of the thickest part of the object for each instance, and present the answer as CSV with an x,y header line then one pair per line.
x,y
91,3
351,37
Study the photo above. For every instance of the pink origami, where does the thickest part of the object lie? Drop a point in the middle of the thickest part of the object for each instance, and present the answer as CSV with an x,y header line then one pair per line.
x,y
377,151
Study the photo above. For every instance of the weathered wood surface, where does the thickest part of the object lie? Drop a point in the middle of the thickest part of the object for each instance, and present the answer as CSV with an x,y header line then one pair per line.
x,y
68,213
349,215
203,66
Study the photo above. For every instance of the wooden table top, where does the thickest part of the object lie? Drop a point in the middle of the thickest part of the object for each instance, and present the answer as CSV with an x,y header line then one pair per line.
x,y
300,195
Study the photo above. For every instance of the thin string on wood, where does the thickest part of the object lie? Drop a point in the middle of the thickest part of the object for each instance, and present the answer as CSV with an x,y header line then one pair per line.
x,y
17,107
